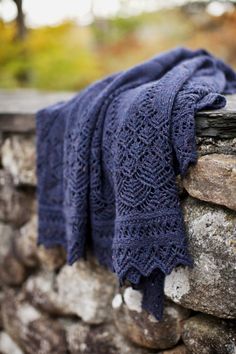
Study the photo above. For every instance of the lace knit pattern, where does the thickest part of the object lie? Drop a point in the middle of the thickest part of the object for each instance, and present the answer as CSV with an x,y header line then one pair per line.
x,y
107,161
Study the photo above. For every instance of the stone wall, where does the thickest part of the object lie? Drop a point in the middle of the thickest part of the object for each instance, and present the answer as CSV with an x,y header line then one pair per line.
x,y
48,307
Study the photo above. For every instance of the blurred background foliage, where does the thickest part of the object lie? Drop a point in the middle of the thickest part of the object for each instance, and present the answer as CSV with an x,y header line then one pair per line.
x,y
69,56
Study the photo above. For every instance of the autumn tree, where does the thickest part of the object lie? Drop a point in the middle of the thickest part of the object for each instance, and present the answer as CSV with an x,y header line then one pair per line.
x,y
20,19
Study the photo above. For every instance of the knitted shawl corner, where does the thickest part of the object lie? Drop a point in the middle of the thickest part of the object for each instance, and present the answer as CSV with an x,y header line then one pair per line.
x,y
107,162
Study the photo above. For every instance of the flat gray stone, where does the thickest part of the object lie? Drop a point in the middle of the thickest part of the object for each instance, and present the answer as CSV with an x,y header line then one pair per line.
x,y
18,107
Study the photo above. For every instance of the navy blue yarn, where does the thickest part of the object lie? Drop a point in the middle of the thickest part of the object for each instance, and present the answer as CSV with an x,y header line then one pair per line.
x,y
107,162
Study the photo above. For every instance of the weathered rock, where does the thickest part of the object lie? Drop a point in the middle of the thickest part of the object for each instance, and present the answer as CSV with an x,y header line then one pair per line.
x,y
8,346
86,290
25,243
6,236
15,206
82,339
18,157
208,335
33,332
213,179
179,349
51,258
31,254
12,272
141,327
1,298
100,339
208,146
212,240
40,290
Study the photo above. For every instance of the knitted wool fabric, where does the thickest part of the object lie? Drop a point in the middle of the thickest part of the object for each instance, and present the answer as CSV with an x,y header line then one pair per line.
x,y
107,161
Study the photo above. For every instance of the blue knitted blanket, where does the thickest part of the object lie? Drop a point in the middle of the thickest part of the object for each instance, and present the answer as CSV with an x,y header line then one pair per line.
x,y
107,162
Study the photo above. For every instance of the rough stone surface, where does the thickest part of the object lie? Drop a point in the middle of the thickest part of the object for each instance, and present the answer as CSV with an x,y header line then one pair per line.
x,y
142,328
208,146
12,272
212,241
31,254
1,297
8,346
51,258
86,290
204,334
101,339
18,157
25,243
213,179
6,236
180,349
33,332
83,289
41,291
15,206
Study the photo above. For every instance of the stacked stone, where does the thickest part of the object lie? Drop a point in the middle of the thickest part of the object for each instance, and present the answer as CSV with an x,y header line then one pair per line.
x,y
48,307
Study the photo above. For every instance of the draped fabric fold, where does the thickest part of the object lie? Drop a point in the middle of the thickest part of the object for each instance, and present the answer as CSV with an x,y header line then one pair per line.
x,y
107,162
